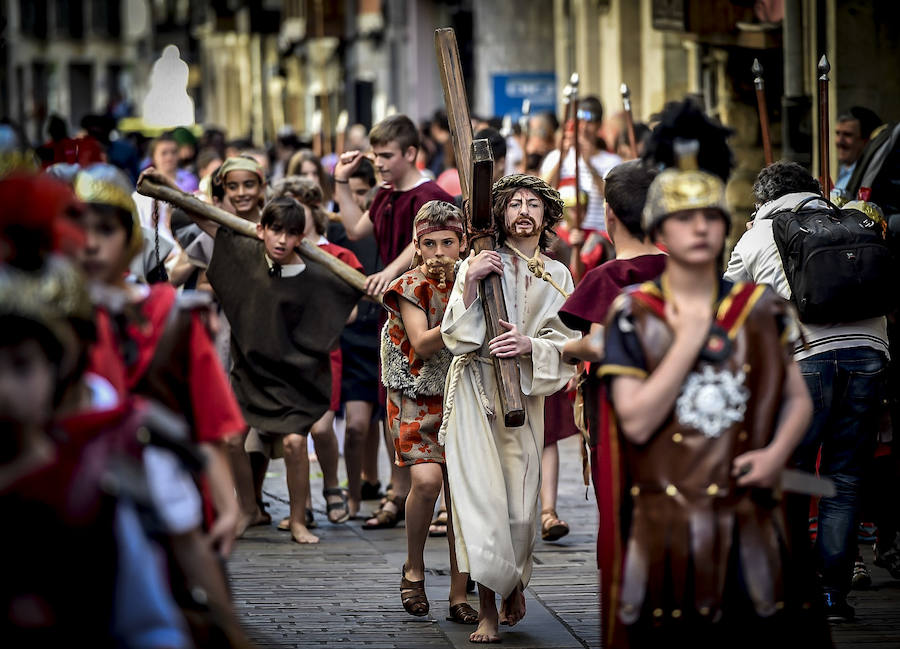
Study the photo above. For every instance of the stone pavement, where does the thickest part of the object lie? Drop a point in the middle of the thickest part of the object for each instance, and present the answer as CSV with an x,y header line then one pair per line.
x,y
344,591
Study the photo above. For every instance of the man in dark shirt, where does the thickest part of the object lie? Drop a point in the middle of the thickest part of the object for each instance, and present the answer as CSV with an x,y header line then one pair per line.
x,y
395,142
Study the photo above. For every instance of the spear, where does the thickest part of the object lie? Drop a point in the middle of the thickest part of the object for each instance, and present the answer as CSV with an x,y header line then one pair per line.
x,y
525,127
760,84
567,102
824,127
579,217
629,117
526,116
341,130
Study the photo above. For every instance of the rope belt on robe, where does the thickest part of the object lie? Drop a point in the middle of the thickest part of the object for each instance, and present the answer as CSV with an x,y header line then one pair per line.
x,y
536,267
457,366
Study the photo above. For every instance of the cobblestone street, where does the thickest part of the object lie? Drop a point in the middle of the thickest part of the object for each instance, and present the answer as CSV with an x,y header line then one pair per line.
x,y
345,590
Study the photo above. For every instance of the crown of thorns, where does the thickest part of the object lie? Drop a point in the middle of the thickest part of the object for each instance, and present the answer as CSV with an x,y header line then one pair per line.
x,y
550,196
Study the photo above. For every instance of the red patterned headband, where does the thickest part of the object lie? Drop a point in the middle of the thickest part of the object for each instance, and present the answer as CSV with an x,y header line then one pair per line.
x,y
427,228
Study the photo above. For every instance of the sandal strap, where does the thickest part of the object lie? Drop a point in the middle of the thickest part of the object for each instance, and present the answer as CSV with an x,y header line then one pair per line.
x,y
384,516
335,491
463,612
413,596
549,512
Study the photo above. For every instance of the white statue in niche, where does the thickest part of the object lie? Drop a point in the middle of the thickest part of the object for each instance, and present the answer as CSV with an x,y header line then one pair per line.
x,y
167,103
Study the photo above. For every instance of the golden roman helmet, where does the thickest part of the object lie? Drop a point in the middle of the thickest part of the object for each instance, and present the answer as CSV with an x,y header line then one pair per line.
x,y
53,297
683,188
104,184
868,208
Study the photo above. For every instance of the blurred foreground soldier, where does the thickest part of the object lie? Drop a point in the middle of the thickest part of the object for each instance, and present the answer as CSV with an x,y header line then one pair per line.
x,y
494,471
75,568
708,407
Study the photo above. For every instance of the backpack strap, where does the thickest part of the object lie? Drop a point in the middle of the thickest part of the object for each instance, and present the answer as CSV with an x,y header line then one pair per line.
x,y
799,206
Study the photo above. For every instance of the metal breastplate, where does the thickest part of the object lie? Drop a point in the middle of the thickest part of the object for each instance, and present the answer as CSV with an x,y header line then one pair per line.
x,y
686,506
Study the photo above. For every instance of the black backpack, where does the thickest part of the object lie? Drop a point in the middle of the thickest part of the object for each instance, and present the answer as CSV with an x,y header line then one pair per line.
x,y
837,263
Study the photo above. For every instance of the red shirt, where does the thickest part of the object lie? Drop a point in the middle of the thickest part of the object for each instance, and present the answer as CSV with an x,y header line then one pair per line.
x,y
591,299
215,413
393,212
350,259
343,254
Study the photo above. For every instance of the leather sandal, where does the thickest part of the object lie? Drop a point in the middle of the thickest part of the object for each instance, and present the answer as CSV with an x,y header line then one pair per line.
x,y
390,495
552,527
438,527
463,614
412,594
338,506
370,490
385,517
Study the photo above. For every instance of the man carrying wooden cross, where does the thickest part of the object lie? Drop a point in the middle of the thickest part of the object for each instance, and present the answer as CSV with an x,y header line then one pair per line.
x,y
494,469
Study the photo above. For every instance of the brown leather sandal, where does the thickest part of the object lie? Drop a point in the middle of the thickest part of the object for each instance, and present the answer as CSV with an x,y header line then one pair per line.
x,y
386,518
552,527
412,594
438,527
463,614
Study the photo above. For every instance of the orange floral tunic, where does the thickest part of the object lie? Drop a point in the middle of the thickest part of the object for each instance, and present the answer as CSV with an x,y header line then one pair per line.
x,y
414,418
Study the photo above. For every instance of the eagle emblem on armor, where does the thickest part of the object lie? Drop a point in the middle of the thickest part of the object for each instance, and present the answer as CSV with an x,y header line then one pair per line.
x,y
712,401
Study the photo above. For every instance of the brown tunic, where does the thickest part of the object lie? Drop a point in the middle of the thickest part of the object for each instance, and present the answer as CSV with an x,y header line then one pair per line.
x,y
282,329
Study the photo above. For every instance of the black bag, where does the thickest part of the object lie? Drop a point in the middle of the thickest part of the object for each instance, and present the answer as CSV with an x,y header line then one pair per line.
x,y
836,261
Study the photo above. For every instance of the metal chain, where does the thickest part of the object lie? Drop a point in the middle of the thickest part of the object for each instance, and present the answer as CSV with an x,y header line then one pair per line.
x,y
163,274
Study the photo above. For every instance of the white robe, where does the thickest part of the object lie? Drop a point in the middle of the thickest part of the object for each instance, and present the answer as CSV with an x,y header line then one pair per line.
x,y
495,471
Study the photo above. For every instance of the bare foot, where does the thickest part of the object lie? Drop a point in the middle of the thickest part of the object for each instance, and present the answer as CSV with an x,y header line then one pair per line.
x,y
487,632
513,608
353,505
300,534
245,520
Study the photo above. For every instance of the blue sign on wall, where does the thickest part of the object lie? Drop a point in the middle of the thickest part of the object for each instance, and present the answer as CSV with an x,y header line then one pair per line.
x,y
510,89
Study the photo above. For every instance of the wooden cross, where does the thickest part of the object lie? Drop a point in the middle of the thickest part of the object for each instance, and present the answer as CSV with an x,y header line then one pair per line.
x,y
475,164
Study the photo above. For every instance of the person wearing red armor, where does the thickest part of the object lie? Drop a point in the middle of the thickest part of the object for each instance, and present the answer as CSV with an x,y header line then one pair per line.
x,y
705,407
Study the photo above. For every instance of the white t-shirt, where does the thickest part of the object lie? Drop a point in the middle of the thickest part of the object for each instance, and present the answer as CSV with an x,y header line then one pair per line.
x,y
602,162
756,258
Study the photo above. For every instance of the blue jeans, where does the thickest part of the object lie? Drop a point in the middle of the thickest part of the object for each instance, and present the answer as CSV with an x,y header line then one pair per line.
x,y
847,389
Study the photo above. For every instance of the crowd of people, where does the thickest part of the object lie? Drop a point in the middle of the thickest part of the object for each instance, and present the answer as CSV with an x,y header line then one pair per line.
x,y
157,356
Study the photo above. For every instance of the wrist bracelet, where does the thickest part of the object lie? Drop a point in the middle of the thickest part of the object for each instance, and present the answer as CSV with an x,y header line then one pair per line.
x,y
342,182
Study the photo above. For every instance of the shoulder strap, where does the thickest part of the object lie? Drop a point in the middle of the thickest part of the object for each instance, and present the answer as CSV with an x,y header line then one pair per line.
x,y
736,306
649,295
730,315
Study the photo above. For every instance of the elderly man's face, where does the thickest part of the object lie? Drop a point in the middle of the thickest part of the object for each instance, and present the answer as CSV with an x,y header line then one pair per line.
x,y
848,141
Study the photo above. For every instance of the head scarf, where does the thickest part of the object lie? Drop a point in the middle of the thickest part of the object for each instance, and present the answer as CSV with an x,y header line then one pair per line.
x,y
240,163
